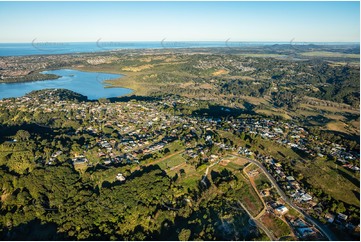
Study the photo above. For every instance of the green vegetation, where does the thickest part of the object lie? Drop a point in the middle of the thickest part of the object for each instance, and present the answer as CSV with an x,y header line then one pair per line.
x,y
166,165
278,227
32,76
330,54
262,182
171,162
331,179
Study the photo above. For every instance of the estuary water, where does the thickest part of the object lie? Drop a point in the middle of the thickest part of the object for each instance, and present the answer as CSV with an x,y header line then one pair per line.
x,y
90,84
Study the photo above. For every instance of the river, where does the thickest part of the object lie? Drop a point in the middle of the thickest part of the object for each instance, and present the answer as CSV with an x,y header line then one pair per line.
x,y
90,84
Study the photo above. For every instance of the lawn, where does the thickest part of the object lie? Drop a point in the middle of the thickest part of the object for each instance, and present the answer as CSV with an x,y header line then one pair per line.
x,y
174,146
171,162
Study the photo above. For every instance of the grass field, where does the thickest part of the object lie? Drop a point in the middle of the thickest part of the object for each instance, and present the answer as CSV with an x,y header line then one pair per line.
x,y
249,197
233,162
262,182
171,162
234,166
246,194
329,109
263,55
329,54
230,136
278,227
339,183
337,126
274,113
338,118
278,151
189,179
106,175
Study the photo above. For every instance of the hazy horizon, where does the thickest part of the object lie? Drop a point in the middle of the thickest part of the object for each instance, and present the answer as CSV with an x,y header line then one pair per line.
x,y
186,41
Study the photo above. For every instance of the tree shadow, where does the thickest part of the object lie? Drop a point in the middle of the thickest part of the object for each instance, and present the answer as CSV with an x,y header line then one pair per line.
x,y
352,179
146,169
357,194
136,174
133,97
31,128
218,111
33,230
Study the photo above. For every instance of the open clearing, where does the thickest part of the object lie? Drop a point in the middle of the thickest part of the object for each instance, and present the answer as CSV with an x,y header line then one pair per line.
x,y
276,225
171,162
335,180
274,113
330,54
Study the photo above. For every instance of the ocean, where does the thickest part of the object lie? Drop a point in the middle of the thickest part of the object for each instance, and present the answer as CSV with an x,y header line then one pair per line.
x,y
49,48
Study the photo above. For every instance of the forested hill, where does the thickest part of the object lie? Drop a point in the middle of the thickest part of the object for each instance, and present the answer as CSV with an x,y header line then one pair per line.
x,y
57,95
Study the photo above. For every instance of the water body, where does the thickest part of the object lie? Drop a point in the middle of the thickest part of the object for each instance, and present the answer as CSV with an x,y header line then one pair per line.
x,y
90,84
36,47
51,48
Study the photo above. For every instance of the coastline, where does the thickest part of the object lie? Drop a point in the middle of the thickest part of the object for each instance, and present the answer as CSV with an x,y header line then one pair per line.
x,y
38,76
79,86
127,80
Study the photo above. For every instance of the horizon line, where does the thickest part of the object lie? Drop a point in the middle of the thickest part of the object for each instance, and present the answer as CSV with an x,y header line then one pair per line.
x,y
164,40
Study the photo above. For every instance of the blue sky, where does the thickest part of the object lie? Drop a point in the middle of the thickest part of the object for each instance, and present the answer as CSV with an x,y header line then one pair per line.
x,y
193,21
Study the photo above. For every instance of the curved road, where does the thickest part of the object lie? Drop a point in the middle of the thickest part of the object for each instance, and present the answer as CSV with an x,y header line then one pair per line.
x,y
326,231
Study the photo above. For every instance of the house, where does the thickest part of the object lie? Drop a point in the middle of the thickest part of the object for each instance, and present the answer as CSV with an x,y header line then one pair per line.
x,y
306,197
355,168
56,154
299,223
120,177
342,216
305,231
278,130
290,178
330,218
265,193
281,210
79,160
101,154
